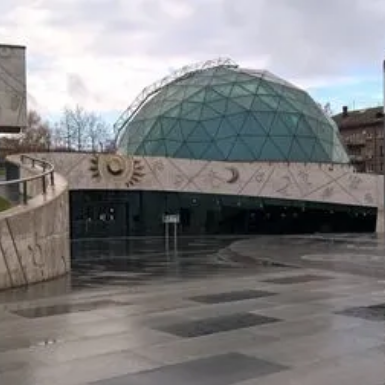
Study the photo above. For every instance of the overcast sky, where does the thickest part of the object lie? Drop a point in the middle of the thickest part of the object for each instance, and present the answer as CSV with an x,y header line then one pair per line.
x,y
101,53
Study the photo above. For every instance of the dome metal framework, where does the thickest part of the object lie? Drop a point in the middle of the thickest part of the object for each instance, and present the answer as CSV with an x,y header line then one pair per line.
x,y
219,111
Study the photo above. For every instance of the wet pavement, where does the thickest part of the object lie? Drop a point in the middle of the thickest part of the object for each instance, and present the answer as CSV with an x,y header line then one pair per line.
x,y
218,310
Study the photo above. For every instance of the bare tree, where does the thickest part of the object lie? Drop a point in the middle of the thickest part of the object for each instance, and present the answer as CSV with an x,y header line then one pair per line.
x,y
81,130
35,137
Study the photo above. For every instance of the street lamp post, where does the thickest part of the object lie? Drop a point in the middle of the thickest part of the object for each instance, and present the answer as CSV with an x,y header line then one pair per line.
x,y
383,139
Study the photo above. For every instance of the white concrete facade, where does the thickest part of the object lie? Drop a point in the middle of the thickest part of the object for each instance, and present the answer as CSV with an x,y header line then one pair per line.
x,y
34,238
308,182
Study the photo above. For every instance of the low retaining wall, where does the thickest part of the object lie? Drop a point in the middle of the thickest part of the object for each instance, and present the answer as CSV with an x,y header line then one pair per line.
x,y
34,238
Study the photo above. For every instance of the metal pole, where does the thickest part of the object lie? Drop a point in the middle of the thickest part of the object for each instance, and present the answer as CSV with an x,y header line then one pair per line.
x,y
166,233
175,235
25,195
383,139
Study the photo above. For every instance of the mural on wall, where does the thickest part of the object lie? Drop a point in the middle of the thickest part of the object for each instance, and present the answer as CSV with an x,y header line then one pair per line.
x,y
296,181
128,170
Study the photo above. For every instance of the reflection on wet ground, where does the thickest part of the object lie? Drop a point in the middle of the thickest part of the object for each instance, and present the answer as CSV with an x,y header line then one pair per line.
x,y
220,310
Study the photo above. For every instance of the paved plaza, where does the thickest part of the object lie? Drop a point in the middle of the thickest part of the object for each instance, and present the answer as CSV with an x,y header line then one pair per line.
x,y
218,311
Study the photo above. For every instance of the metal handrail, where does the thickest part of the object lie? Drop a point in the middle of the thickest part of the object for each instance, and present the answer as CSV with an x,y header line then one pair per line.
x,y
48,170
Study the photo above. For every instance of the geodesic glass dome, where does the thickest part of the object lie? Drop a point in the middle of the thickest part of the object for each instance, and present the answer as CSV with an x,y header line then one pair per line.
x,y
227,113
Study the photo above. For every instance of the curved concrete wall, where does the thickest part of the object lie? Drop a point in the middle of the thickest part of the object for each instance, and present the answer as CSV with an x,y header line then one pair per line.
x,y
34,239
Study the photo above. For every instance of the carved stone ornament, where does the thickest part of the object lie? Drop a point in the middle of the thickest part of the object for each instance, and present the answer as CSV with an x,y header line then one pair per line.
x,y
118,168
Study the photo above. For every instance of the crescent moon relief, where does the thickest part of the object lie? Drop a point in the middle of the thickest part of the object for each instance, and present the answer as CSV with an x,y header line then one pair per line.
x,y
234,175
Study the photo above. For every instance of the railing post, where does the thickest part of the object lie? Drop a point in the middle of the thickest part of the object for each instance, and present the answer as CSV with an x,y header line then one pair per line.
x,y
44,185
25,193
52,178
33,163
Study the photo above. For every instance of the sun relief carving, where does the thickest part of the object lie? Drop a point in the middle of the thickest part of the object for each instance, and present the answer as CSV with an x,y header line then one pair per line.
x,y
127,170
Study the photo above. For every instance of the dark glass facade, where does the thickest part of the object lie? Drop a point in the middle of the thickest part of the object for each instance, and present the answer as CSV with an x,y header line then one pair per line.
x,y
233,114
103,214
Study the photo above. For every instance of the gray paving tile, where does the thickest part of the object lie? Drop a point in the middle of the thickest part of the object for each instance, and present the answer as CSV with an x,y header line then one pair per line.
x,y
297,279
213,325
231,296
371,313
47,311
218,370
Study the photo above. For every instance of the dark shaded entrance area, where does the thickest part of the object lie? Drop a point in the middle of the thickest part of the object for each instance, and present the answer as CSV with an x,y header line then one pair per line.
x,y
106,214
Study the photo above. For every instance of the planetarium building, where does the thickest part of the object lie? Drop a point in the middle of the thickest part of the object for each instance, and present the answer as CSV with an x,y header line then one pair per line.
x,y
230,150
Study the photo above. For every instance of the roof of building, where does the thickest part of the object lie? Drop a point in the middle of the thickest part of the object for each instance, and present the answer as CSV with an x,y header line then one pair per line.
x,y
231,114
359,118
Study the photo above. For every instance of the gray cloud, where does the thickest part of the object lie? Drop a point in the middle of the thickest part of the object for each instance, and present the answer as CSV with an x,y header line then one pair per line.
x,y
76,87
302,38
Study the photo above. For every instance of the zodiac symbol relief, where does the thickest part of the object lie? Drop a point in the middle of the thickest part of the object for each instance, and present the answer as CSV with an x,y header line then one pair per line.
x,y
304,178
287,182
327,193
369,198
260,176
354,182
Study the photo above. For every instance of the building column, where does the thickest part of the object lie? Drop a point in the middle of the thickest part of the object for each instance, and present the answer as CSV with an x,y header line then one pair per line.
x,y
380,224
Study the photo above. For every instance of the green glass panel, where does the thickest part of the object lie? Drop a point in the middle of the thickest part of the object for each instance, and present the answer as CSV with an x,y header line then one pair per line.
x,y
212,95
284,144
187,107
219,80
319,154
223,89
212,152
238,90
240,152
252,85
220,106
237,121
280,127
132,147
243,77
184,152
259,105
226,129
265,89
244,101
155,132
187,127
160,149
195,113
287,106
140,150
252,127
303,128
167,125
212,126
297,153
173,112
226,145
254,144
198,96
169,91
265,119
234,108
197,149
208,113
307,144
272,101
270,152
172,147
150,146
199,135
278,88
176,133
221,71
